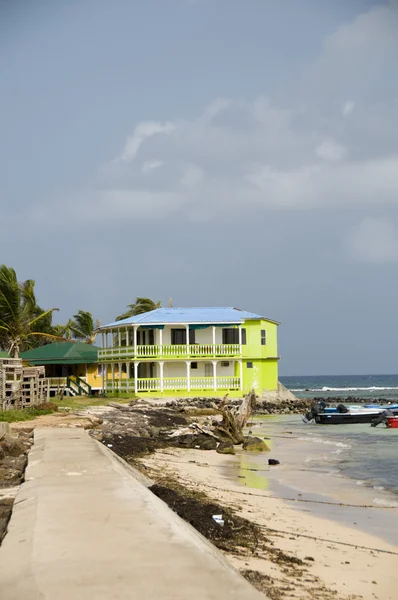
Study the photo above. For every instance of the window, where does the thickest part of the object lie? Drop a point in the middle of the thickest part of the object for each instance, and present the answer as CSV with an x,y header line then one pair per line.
x,y
249,365
243,337
178,336
194,365
263,337
224,363
230,336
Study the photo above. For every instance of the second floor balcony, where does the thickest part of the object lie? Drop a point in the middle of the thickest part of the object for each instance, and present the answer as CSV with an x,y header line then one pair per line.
x,y
169,351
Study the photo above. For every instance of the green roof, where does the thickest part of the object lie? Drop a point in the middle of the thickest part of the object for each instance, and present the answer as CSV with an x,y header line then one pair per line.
x,y
62,353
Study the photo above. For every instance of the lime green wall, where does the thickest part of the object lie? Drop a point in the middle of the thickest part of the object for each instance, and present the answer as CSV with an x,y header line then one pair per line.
x,y
264,374
253,347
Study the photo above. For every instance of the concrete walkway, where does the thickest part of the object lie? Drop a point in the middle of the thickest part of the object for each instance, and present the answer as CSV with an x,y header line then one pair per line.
x,y
85,528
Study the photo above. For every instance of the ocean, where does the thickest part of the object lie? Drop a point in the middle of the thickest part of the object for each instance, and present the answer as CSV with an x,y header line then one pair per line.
x,y
366,455
334,465
368,387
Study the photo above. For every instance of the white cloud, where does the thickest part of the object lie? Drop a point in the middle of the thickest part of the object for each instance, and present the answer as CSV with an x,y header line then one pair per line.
x,y
374,240
150,165
330,150
142,132
348,107
255,154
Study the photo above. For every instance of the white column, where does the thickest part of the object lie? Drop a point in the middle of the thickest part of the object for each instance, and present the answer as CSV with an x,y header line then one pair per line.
x,y
214,339
241,374
135,341
240,339
103,339
113,376
214,374
187,328
104,376
127,337
188,363
135,373
161,363
120,337
120,374
161,341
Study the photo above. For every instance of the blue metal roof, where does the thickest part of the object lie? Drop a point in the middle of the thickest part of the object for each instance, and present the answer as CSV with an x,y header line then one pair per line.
x,y
214,315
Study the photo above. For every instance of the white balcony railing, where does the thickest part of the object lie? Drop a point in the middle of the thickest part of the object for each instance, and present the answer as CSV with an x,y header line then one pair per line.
x,y
169,351
174,384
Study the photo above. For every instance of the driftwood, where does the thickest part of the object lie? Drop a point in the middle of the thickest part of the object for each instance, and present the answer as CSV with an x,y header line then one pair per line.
x,y
234,419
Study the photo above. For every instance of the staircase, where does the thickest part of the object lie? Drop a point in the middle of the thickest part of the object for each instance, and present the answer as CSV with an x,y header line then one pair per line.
x,y
76,386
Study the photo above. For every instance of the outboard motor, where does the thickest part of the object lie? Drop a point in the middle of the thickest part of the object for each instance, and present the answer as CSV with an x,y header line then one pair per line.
x,y
341,408
382,418
311,414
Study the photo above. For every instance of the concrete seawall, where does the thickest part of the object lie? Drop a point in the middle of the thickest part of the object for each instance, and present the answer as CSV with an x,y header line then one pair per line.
x,y
83,527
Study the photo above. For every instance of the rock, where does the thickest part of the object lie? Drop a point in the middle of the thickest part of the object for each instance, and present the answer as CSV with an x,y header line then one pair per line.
x,y
202,441
254,444
226,448
273,461
12,446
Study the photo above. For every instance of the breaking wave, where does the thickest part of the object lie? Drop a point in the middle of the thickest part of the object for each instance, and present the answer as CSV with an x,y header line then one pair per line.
x,y
345,389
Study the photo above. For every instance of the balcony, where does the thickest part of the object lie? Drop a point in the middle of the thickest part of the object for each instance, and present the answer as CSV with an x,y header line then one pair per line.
x,y
174,384
172,351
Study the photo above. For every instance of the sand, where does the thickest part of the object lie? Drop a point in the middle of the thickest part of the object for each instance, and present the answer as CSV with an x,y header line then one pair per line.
x,y
339,561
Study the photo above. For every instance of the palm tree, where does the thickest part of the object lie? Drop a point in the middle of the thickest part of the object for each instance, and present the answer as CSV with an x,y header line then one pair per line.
x,y
83,327
63,331
141,305
21,319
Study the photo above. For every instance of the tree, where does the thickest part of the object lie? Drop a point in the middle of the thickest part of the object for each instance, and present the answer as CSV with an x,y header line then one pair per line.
x,y
22,321
141,305
64,331
83,327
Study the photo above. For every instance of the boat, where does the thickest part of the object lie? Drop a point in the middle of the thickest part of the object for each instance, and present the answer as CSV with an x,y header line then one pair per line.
x,y
341,414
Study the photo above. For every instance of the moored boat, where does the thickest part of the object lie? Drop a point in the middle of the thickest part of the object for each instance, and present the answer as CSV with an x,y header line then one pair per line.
x,y
341,414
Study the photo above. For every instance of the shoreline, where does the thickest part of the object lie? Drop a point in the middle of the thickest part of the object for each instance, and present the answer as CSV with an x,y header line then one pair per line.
x,y
327,548
288,545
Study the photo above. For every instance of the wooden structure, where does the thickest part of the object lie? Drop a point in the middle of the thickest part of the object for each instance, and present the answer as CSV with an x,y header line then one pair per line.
x,y
21,387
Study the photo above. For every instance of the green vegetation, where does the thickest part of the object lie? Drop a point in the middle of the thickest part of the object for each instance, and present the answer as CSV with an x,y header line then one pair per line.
x,y
22,321
141,305
82,402
25,325
11,416
83,327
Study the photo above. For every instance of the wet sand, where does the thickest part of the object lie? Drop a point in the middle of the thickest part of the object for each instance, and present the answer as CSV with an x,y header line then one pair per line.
x,y
347,552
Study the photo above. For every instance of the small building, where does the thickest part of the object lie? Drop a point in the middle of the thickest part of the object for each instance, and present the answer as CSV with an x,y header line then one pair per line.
x,y
190,352
70,366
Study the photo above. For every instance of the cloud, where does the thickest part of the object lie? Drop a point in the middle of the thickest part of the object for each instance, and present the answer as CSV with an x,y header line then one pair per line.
x,y
348,107
258,154
142,132
150,165
374,240
330,150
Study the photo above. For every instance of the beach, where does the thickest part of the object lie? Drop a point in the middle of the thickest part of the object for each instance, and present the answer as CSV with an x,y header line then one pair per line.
x,y
337,559
341,537
302,529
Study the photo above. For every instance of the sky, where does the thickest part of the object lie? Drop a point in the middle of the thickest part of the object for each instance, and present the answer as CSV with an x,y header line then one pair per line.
x,y
216,152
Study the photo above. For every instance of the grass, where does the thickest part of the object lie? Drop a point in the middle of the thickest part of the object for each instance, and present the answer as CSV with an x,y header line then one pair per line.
x,y
81,402
11,416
